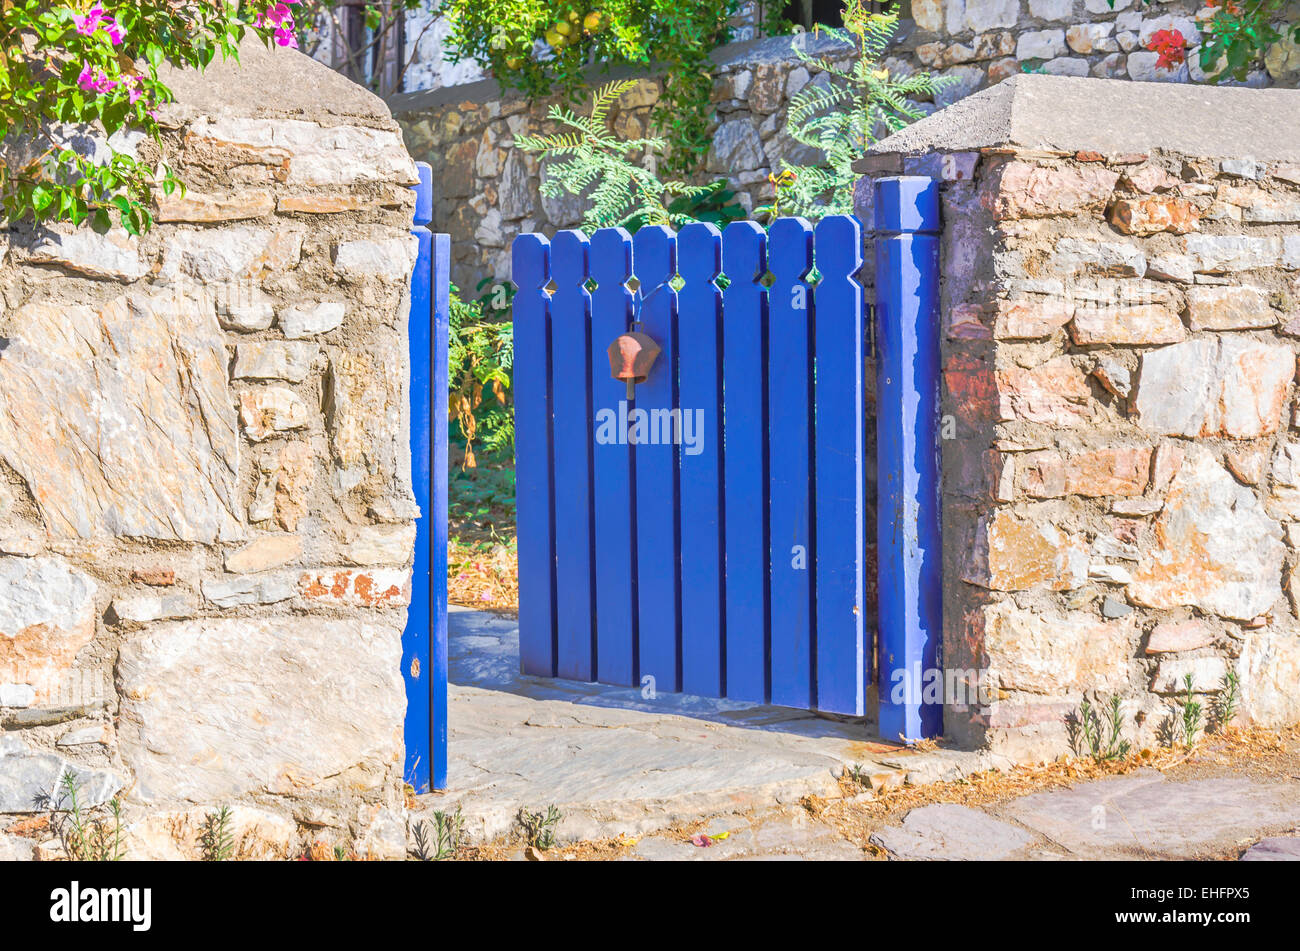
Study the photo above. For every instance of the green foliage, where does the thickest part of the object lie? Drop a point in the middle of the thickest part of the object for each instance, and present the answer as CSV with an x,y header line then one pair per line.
x,y
87,838
714,203
1239,32
480,359
539,829
592,162
448,831
1103,740
1192,717
845,116
217,838
71,65
503,36
1226,701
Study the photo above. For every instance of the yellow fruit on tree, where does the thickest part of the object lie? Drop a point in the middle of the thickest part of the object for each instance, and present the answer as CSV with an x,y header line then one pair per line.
x,y
553,38
562,28
593,22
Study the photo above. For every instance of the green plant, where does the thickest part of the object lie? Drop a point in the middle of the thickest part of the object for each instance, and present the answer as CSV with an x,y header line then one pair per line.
x,y
714,203
1226,701
539,829
1235,36
1102,740
845,116
546,46
217,838
88,838
480,360
592,162
66,67
858,773
1191,712
448,830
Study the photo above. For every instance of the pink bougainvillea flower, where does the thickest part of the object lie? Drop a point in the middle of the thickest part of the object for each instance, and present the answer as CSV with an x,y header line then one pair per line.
x,y
96,19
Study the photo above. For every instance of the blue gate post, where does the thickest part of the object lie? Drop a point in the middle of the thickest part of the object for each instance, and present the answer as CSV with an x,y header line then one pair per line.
x,y
424,643
908,531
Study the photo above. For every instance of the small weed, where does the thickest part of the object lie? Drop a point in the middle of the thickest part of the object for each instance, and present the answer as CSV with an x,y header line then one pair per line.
x,y
1226,701
858,773
85,838
539,829
1193,718
448,828
217,840
1103,741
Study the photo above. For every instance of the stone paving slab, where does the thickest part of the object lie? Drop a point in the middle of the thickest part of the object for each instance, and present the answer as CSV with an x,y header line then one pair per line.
x,y
1144,815
1277,849
951,833
615,761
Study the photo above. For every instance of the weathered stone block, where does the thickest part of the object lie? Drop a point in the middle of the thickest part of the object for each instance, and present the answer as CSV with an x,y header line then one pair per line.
x,y
1126,324
47,615
359,589
1215,387
1019,552
1148,216
142,380
388,260
217,709
114,256
264,553
270,410
1055,392
274,360
1033,191
1057,654
309,320
230,254
1229,308
32,781
1215,547
1172,636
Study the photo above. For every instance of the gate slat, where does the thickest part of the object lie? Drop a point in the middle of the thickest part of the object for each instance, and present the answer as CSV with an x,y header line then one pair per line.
x,y
790,246
841,657
699,334
654,262
615,527
534,514
744,261
571,388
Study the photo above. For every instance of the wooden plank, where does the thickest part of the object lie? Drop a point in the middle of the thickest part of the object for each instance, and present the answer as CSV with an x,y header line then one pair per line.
x,y
615,528
575,597
534,506
789,376
654,264
841,657
744,366
699,376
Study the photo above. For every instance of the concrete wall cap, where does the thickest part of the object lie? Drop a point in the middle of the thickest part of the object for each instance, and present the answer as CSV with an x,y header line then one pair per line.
x,y
1069,113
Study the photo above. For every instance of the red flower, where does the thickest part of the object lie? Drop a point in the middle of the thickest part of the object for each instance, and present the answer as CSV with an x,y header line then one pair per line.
x,y
1172,47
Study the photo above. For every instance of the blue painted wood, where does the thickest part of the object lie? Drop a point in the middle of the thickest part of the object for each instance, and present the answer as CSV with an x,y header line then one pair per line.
x,y
654,262
575,593
699,375
612,306
417,639
744,369
909,538
438,503
534,500
790,377
841,661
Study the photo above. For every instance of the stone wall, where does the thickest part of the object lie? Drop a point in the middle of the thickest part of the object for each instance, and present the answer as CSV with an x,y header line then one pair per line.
x,y
205,501
487,193
1121,312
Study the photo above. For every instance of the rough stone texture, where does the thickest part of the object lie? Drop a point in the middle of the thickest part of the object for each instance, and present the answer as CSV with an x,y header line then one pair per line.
x,y
1276,849
294,709
142,378
1119,365
31,780
47,615
1215,546
1141,815
950,833
165,475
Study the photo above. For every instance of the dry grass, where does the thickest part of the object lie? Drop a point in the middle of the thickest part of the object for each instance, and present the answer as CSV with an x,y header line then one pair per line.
x,y
483,574
1250,749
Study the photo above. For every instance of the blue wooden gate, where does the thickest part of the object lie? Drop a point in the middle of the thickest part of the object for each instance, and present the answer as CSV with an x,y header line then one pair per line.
x,y
708,535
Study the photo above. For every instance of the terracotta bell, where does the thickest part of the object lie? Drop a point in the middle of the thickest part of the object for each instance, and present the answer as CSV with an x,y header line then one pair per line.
x,y
631,356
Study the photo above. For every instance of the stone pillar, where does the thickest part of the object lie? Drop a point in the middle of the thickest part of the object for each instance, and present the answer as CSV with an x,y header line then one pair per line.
x,y
205,501
1121,488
